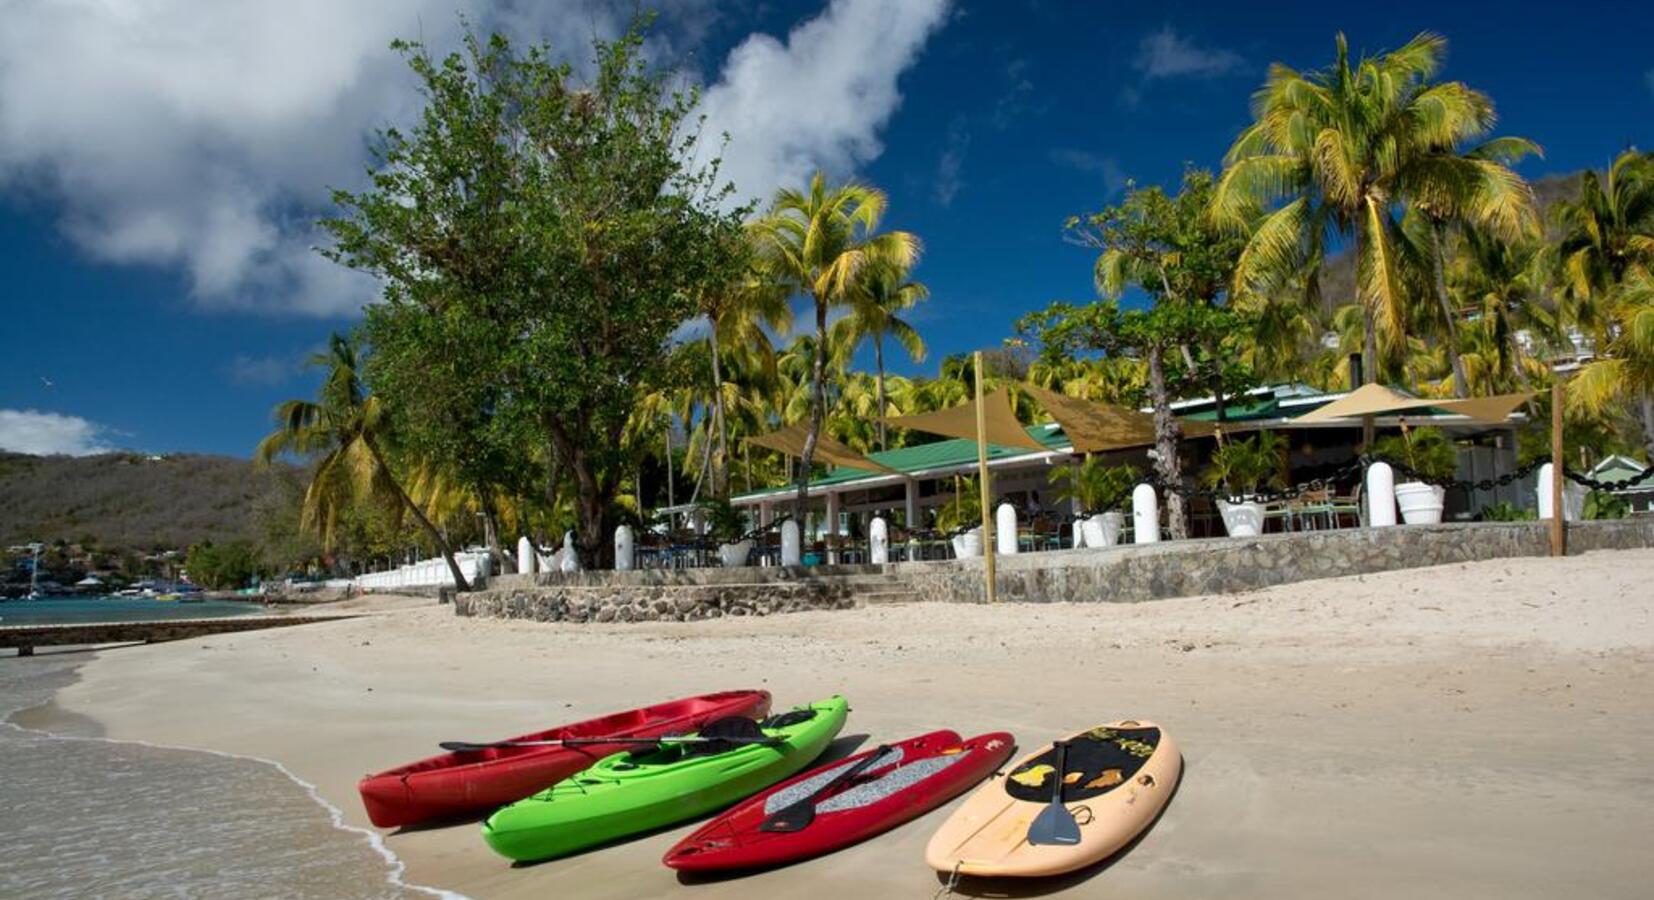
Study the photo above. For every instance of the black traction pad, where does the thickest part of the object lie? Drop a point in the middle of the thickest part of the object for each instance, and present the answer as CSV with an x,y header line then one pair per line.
x,y
1091,755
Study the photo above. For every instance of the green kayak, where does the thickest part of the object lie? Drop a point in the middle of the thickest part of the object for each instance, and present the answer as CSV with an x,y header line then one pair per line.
x,y
656,786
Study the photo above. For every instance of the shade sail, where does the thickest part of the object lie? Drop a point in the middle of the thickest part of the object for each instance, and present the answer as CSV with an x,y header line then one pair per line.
x,y
1487,410
1378,400
1095,427
790,440
1000,422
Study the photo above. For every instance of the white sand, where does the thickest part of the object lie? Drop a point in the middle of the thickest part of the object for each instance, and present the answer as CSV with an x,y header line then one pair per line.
x,y
1480,730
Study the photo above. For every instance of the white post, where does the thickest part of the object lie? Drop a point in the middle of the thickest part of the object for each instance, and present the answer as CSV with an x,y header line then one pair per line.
x,y
1381,495
1573,497
1145,515
1005,529
791,552
624,556
830,532
697,520
878,541
571,558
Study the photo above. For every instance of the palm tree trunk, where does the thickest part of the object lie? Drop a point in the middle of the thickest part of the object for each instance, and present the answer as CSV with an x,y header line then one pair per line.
x,y
720,474
1369,345
498,560
419,516
1166,463
818,409
878,363
1438,253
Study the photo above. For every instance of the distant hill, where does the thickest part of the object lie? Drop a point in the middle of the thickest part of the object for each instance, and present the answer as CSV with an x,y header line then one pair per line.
x,y
130,500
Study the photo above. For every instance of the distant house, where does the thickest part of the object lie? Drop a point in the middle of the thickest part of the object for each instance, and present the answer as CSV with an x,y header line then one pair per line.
x,y
1619,469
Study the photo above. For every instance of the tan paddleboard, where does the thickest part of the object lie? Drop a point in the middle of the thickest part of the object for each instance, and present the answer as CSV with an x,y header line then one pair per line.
x,y
1119,777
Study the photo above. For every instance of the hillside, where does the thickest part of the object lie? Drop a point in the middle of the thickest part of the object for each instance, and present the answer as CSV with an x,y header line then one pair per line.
x,y
128,500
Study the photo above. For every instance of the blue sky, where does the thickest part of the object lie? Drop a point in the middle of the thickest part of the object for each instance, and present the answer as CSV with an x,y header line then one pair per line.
x,y
157,180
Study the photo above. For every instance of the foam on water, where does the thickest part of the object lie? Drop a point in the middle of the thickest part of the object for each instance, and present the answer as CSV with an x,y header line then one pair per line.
x,y
93,816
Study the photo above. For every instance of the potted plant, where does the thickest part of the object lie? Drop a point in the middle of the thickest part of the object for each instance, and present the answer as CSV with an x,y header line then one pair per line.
x,y
728,527
965,509
1241,467
1102,491
1430,454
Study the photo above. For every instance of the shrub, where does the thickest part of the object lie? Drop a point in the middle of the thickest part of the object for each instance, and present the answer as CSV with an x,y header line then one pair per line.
x,y
1098,486
1243,466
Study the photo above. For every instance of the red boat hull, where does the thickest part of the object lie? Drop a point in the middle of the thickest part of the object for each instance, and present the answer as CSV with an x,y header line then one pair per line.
x,y
929,771
460,784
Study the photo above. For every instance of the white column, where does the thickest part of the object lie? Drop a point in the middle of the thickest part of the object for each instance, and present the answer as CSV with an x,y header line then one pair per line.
x,y
624,555
911,507
1381,495
830,530
1074,501
1079,533
1145,515
571,557
791,552
766,514
1005,529
697,520
878,541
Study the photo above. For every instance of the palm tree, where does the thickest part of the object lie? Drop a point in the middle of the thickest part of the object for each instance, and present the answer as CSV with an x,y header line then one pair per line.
x,y
345,431
737,317
817,243
1625,372
1605,234
881,293
1335,152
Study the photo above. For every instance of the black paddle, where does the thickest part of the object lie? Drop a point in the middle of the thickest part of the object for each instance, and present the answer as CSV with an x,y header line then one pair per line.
x,y
734,730
1055,824
798,816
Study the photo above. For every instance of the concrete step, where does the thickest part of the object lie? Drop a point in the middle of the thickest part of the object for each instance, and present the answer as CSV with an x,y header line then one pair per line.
x,y
887,598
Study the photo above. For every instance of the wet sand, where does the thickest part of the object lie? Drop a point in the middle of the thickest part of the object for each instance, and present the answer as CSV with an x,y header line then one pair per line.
x,y
1477,730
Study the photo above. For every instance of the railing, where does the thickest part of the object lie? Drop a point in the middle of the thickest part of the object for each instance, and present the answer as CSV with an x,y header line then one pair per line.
x,y
426,573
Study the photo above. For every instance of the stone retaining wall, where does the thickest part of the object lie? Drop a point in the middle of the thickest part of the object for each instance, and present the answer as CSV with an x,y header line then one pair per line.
x,y
648,603
27,637
1114,574
1228,565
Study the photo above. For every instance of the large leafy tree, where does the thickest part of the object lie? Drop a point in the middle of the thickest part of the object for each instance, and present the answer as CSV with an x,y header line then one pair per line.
x,y
1167,247
346,434
559,223
879,298
1336,153
816,243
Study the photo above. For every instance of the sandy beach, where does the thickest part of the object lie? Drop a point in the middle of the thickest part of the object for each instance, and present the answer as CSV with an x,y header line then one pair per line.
x,y
1480,730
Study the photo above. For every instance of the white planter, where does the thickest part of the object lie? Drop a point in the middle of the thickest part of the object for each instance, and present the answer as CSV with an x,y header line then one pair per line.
x,y
968,544
1103,529
1420,503
1241,519
735,555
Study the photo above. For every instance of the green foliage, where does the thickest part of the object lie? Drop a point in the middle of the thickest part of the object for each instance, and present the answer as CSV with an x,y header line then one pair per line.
x,y
1602,505
1242,466
724,522
1099,487
223,566
1505,511
557,238
965,509
1428,451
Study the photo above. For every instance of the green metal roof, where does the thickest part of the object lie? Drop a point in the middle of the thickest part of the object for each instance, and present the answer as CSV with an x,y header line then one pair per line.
x,y
925,457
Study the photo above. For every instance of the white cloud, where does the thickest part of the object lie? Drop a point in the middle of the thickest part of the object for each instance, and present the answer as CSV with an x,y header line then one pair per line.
x,y
819,99
1167,54
204,137
949,168
264,371
45,433
1115,179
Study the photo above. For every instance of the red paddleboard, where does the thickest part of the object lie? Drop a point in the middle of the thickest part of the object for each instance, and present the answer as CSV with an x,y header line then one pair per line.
x,y
477,781
907,780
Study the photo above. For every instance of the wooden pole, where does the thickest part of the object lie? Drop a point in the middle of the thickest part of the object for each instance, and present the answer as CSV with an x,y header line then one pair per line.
x,y
1559,534
982,481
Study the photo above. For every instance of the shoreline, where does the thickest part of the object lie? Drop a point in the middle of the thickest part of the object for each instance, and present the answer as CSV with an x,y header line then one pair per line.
x,y
1389,730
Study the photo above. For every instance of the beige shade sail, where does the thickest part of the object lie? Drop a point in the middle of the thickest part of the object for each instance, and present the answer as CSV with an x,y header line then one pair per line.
x,y
1001,425
1096,427
1378,400
1487,410
790,440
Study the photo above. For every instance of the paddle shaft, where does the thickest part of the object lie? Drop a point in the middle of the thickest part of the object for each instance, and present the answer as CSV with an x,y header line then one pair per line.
x,y
464,746
798,815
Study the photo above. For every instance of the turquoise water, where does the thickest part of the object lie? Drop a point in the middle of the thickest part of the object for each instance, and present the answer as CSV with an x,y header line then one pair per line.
x,y
70,610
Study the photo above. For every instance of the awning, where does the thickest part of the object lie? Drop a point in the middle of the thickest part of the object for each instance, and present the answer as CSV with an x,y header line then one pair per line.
x,y
790,440
1378,400
1000,422
1096,427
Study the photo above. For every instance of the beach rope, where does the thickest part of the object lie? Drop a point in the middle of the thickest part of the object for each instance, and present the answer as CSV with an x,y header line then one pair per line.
x,y
946,890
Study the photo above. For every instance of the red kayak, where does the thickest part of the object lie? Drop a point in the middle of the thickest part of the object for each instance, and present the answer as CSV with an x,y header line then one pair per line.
x,y
476,781
898,782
